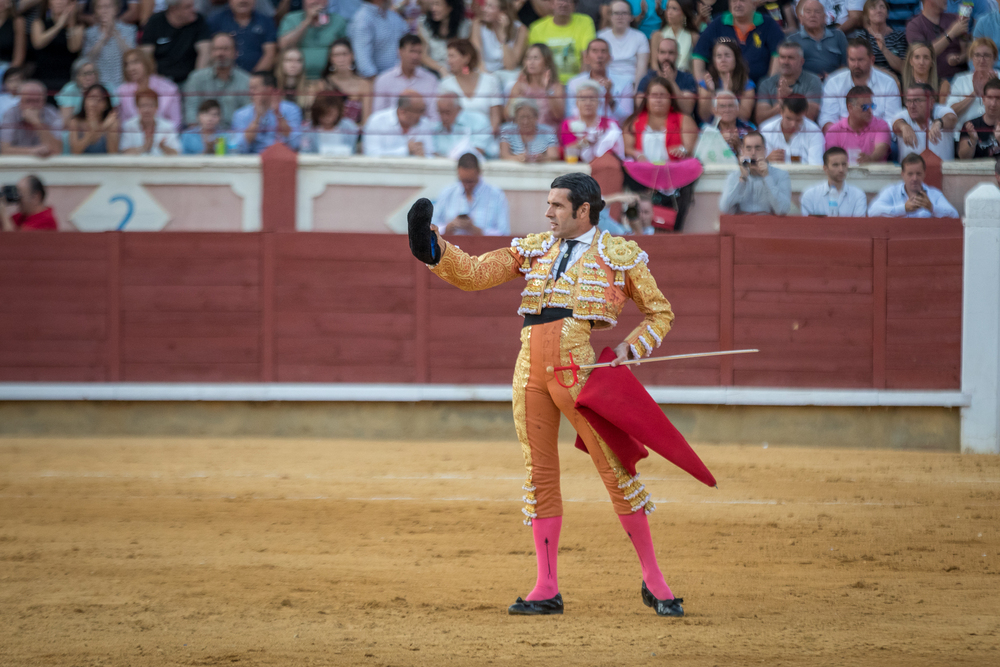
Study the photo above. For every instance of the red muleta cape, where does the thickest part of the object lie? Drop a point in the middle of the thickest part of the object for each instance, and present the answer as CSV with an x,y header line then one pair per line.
x,y
622,412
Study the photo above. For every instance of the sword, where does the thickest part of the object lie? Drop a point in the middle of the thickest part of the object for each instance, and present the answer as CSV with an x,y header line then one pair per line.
x,y
574,367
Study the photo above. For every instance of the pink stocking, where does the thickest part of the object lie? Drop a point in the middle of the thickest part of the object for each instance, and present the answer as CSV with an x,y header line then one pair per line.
x,y
546,532
637,527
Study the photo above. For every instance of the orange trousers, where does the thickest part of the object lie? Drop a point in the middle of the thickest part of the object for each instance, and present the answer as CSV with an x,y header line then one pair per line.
x,y
538,401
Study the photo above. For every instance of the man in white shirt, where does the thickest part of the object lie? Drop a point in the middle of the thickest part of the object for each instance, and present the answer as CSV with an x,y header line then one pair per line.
x,y
407,75
756,187
860,72
791,136
401,131
459,131
472,206
615,103
835,198
911,198
922,124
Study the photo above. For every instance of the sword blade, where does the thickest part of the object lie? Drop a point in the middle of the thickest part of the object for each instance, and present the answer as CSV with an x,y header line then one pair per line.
x,y
672,357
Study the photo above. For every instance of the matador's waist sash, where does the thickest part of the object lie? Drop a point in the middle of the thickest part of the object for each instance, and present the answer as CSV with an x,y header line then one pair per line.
x,y
623,413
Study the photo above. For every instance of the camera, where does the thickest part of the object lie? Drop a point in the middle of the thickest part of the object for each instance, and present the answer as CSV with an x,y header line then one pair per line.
x,y
750,163
11,194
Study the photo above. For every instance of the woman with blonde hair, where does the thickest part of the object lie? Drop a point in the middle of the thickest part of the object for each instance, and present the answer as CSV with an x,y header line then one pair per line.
x,y
539,81
139,71
680,25
920,66
966,98
290,73
500,39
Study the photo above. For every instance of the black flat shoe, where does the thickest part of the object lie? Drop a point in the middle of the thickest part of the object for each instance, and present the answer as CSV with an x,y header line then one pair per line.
x,y
537,607
671,607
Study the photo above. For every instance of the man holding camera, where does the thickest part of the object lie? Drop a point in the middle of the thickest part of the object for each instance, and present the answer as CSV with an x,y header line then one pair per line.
x,y
33,215
757,187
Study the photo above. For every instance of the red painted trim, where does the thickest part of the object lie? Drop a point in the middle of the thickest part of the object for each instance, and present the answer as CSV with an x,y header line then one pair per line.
x,y
114,306
880,262
279,174
267,307
726,307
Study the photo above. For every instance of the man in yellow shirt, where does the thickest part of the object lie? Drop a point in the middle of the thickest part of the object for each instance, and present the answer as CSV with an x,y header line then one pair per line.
x,y
567,34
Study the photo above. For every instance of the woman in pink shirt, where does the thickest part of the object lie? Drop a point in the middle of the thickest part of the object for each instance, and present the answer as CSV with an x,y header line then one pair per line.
x,y
139,68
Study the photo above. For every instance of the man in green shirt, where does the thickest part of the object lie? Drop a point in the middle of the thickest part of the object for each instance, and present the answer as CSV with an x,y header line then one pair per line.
x,y
312,31
567,34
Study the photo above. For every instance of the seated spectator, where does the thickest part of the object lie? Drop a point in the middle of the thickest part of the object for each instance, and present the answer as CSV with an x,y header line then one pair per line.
x,y
138,70
756,187
864,137
629,48
911,198
500,39
375,30
70,98
268,118
726,71
345,9
791,136
982,135
312,30
472,206
824,49
13,77
525,140
641,224
253,33
289,72
567,35
539,81
622,226
919,67
726,120
791,78
56,40
924,124
647,20
980,8
756,33
680,25
13,35
443,21
205,137
665,65
989,26
860,72
178,39
888,45
406,75
32,214
339,75
459,131
834,198
106,42
95,130
329,132
32,127
148,133
934,26
658,132
966,98
588,136
477,91
615,101
222,81
401,131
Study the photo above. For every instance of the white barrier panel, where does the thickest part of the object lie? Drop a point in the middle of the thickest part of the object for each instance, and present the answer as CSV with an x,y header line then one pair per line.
x,y
981,321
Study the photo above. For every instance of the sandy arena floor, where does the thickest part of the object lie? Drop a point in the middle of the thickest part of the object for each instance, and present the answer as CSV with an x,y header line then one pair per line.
x,y
297,552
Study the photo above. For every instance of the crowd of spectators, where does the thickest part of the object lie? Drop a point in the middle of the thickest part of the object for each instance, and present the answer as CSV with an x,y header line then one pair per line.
x,y
756,83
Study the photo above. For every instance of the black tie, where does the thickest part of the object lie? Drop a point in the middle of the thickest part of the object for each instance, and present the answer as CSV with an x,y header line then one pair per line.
x,y
565,260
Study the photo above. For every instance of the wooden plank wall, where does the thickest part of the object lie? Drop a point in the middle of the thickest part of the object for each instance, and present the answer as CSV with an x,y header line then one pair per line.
x,y
856,305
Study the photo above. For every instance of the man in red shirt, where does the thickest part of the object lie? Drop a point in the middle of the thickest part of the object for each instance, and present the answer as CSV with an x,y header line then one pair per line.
x,y
33,215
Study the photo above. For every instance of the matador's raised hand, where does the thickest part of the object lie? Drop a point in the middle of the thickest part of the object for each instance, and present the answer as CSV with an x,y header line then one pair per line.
x,y
423,241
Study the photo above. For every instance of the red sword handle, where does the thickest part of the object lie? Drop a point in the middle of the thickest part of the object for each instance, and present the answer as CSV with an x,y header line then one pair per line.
x,y
573,367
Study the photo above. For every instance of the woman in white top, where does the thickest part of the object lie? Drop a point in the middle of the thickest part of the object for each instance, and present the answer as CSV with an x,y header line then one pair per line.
x,y
147,133
629,48
680,25
444,21
500,39
330,132
477,91
966,98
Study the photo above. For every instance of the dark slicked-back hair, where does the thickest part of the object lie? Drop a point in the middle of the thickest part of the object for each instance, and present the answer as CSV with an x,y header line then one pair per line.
x,y
468,161
912,158
35,185
583,189
830,152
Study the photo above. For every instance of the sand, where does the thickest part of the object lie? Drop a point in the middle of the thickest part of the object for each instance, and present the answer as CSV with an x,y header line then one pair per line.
x,y
308,552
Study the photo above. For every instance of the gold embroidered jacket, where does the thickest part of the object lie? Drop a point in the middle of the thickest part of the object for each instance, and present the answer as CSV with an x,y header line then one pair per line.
x,y
595,287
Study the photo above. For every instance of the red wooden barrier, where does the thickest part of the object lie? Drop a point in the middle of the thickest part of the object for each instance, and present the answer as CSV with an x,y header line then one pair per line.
x,y
829,303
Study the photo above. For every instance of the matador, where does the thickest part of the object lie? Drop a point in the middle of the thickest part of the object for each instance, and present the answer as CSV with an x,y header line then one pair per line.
x,y
577,280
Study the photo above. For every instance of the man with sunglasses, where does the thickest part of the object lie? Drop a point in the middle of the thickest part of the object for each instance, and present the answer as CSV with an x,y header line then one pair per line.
x,y
860,72
864,136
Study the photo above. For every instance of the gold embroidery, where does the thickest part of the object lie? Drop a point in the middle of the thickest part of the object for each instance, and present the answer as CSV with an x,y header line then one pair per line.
x,y
641,287
522,369
476,273
620,254
533,245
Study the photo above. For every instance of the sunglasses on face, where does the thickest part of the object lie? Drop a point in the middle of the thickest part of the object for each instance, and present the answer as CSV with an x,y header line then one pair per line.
x,y
868,107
